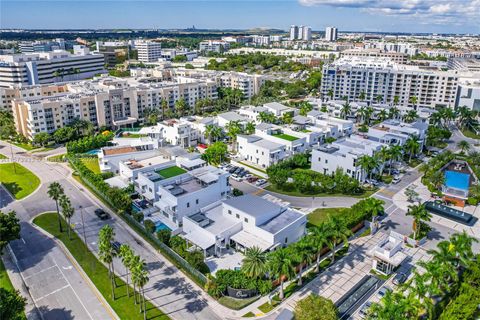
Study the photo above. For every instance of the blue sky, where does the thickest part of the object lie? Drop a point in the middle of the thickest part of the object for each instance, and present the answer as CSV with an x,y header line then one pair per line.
x,y
442,16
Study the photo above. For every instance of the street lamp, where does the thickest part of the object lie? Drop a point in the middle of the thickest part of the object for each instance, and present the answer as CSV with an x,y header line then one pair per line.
x,y
83,225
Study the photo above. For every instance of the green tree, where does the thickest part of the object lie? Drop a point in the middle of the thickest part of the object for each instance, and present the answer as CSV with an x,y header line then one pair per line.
x,y
254,264
216,153
395,306
9,228
318,240
126,254
281,266
410,116
106,252
213,132
12,305
419,215
233,129
462,245
266,117
393,113
464,146
67,211
180,106
411,147
413,100
41,138
250,128
339,232
346,109
303,253
315,307
368,164
140,278
55,191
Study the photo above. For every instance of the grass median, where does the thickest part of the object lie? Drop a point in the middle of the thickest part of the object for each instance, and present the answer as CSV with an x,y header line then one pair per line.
x,y
5,282
124,306
18,180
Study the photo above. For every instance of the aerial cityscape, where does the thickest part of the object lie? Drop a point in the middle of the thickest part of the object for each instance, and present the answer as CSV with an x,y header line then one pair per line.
x,y
204,160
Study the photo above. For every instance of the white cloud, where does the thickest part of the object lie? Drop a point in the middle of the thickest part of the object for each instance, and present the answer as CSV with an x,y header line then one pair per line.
x,y
431,11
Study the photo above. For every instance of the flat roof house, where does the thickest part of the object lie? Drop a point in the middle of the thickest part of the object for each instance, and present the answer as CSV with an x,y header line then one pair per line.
x,y
259,151
244,222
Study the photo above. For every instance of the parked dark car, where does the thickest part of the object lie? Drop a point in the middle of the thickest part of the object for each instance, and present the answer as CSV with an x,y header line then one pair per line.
x,y
102,214
232,169
116,246
399,279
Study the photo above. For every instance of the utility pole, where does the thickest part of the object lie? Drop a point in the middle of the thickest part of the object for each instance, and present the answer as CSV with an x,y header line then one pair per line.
x,y
13,160
83,225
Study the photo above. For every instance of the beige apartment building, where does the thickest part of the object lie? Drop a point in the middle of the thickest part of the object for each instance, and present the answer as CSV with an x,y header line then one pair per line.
x,y
105,101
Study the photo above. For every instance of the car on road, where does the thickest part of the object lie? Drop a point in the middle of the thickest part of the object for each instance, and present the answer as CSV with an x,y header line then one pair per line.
x,y
260,182
395,180
232,169
236,177
399,278
102,214
116,246
252,179
383,291
364,310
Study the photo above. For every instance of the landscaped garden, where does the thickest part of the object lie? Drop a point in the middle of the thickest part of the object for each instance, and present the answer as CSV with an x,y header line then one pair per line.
x,y
285,136
18,180
3,156
171,172
97,271
92,164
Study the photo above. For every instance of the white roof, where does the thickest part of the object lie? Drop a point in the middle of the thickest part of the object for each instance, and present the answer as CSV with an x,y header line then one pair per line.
x,y
249,240
199,240
117,181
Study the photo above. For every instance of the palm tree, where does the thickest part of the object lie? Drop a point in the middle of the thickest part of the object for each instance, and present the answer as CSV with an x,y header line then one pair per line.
x,y
250,127
361,96
180,106
396,305
413,100
303,252
164,107
464,146
305,108
368,164
287,118
393,113
346,109
213,132
318,240
126,254
462,245
440,271
67,211
383,155
330,93
438,179
382,115
339,232
266,117
411,146
420,215
396,100
280,265
395,154
410,116
379,98
233,129
140,278
374,207
254,264
55,190
132,268
106,252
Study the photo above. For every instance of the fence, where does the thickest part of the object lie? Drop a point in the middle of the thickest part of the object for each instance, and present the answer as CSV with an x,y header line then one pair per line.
x,y
174,257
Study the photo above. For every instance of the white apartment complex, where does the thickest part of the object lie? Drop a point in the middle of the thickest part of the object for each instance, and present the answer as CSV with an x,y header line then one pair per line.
x,y
49,67
331,34
397,57
214,46
351,76
148,51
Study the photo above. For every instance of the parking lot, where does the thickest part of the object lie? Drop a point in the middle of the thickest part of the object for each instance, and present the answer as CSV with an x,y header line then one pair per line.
x,y
242,174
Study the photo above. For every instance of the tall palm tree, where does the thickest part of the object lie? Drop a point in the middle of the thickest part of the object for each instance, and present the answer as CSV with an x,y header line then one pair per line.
x,y
410,116
280,265
305,108
396,305
126,254
339,232
254,264
330,93
361,96
382,115
213,132
374,207
346,109
379,98
438,179
68,212
266,117
318,240
396,100
287,118
233,129
383,155
180,106
164,107
303,253
411,146
140,278
395,154
462,245
413,100
367,164
464,146
250,127
106,252
135,260
393,113
419,215
55,190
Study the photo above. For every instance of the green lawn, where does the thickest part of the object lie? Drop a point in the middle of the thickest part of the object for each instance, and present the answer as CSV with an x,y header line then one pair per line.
x,y
255,168
236,304
3,157
249,314
171,172
92,164
57,158
296,193
285,137
305,131
319,216
4,279
267,307
97,272
21,183
470,134
26,146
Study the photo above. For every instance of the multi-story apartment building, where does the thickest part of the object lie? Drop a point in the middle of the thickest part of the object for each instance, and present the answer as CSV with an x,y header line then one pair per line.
x,y
106,101
7,95
148,51
468,94
400,58
352,76
331,34
179,132
293,32
49,67
214,46
44,46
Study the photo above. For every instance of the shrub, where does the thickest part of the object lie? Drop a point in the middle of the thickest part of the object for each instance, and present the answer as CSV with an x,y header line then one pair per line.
x,y
138,216
89,143
164,236
238,280
149,225
236,192
472,201
315,307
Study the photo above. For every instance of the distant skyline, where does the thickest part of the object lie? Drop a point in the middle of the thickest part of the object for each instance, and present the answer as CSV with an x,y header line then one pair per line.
x,y
426,16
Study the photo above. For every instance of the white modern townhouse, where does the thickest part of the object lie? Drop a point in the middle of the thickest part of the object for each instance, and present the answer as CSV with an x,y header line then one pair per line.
x,y
260,152
223,119
279,109
179,132
395,132
243,222
293,141
109,158
338,127
343,154
178,192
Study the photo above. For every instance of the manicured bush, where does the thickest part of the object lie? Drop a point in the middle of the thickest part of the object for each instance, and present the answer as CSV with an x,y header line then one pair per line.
x,y
138,216
164,235
238,280
149,225
90,142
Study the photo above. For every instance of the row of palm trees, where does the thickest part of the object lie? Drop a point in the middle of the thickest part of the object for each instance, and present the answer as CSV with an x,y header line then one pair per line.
x,y
364,114
135,266
290,262
462,116
439,280
63,204
388,155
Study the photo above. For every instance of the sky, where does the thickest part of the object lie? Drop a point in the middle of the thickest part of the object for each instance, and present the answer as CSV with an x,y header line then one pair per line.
x,y
429,16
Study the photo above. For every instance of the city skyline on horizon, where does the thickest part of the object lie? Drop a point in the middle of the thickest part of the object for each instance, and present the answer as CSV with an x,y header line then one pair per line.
x,y
347,15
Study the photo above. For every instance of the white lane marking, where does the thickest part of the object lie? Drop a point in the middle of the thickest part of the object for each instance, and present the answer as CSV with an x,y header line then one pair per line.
x,y
74,292
53,292
382,197
38,272
23,240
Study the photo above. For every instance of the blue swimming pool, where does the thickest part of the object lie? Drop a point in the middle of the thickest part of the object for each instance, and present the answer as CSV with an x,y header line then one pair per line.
x,y
94,151
161,226
457,180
